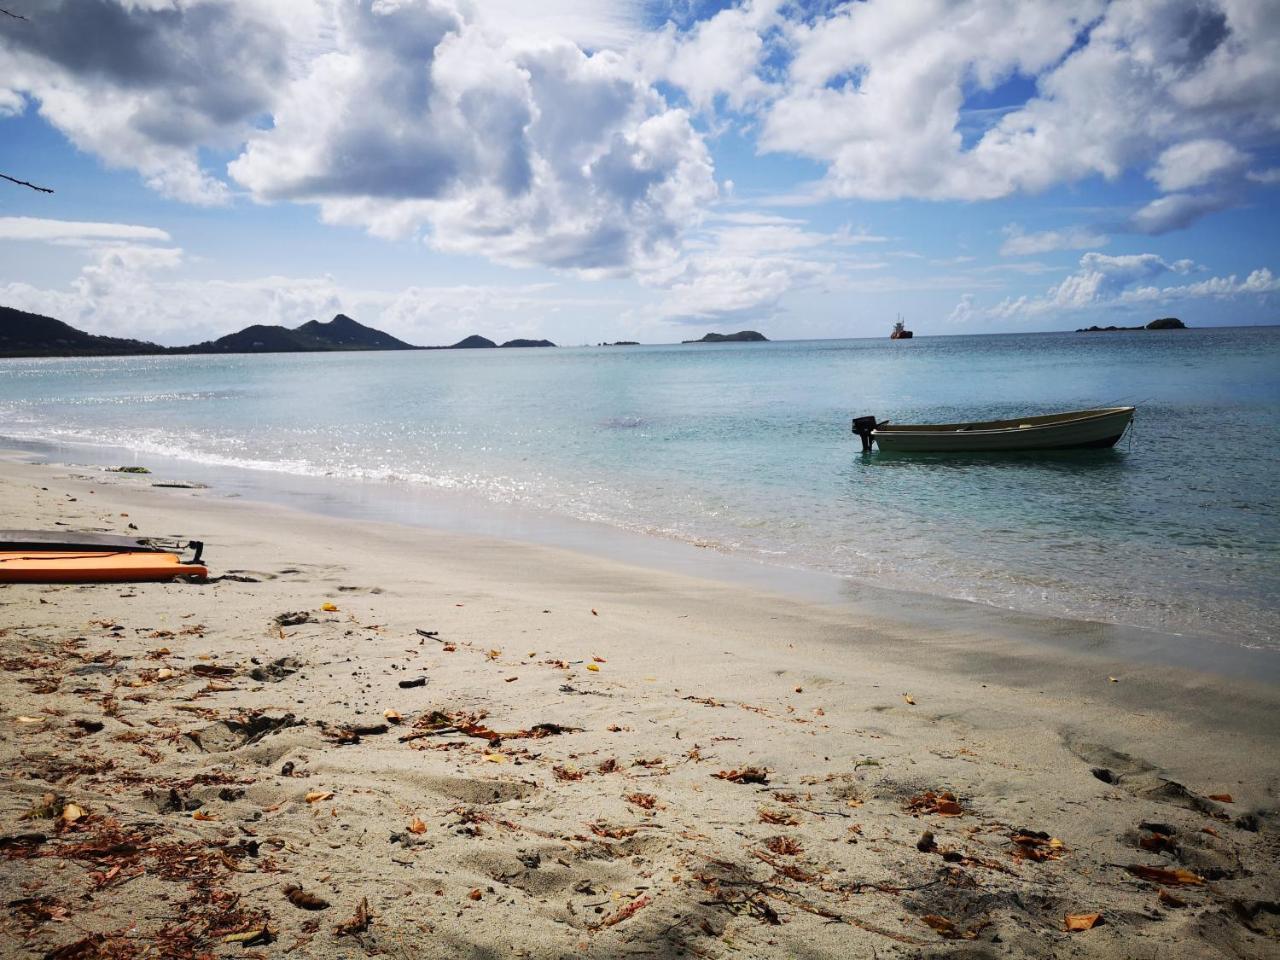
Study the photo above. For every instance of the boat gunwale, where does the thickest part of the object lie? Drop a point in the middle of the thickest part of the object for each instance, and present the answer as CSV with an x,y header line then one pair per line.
x,y
986,427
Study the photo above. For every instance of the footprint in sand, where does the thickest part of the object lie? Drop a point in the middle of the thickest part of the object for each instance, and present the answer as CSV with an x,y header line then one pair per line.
x,y
227,735
1144,780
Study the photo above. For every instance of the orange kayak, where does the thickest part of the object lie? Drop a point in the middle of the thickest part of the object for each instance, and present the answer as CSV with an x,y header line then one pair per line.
x,y
93,566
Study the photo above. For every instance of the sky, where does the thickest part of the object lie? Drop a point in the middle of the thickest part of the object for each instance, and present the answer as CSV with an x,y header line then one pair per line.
x,y
596,170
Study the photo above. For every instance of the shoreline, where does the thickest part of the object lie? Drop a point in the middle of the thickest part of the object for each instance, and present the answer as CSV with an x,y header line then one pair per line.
x,y
1171,536
609,832
468,514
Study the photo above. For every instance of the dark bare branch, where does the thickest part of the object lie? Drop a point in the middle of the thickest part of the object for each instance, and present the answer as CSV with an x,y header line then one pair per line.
x,y
5,176
24,183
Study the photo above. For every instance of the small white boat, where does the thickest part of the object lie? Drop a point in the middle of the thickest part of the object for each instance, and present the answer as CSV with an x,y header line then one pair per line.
x,y
1077,430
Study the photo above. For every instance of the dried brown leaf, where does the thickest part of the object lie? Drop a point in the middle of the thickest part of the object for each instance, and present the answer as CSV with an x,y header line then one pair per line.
x,y
359,923
304,900
1036,845
613,833
944,804
629,910
939,923
1083,921
781,817
783,846
1174,877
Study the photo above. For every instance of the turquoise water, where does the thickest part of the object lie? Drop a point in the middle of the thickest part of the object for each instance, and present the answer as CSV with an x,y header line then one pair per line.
x,y
745,448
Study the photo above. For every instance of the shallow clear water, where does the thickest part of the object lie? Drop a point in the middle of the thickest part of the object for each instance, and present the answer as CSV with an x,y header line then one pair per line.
x,y
746,448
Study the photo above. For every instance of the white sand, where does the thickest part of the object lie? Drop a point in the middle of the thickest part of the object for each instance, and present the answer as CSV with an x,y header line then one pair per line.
x,y
852,718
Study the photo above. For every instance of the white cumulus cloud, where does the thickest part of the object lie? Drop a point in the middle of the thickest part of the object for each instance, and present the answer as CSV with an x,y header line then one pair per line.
x,y
141,292
963,313
1101,276
573,135
719,57
1109,281
146,85
116,293
1177,210
877,91
74,232
526,136
1259,281
12,103
741,266
1020,244
1194,163
525,150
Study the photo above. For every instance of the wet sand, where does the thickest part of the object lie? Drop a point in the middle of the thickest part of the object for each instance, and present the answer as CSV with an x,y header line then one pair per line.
x,y
225,757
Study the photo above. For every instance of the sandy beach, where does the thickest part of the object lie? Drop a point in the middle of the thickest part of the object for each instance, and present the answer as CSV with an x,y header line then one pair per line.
x,y
365,739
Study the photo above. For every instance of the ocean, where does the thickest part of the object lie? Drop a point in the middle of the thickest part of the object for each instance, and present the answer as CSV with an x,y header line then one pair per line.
x,y
746,449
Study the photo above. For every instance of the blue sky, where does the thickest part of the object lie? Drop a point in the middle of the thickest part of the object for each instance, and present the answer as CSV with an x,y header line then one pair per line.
x,y
638,170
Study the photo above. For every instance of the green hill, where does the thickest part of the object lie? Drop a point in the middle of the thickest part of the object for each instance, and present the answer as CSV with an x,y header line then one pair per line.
x,y
32,335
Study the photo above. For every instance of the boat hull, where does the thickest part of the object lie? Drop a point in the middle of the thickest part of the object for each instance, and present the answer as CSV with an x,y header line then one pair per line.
x,y
62,566
1081,430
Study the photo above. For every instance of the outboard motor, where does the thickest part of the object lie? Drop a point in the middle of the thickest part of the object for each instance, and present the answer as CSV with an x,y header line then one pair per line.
x,y
863,426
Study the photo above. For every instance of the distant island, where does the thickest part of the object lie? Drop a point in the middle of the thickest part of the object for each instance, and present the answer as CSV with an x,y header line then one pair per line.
x,y
340,333
742,336
473,342
477,342
32,335
620,343
1164,323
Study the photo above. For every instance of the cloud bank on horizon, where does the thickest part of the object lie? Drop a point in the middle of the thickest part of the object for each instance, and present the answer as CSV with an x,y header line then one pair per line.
x,y
700,163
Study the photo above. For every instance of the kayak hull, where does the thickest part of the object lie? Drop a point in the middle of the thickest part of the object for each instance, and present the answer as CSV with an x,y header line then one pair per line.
x,y
70,541
54,566
1080,430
